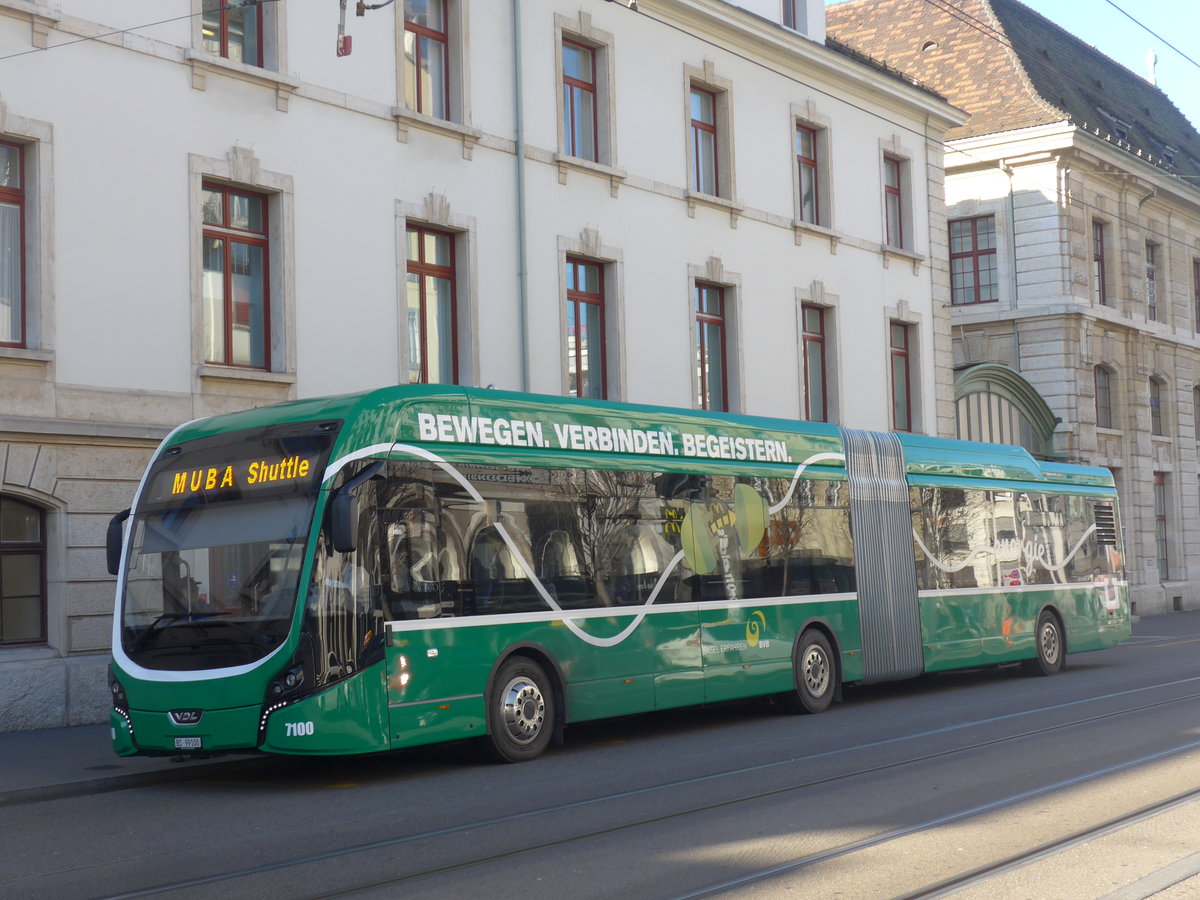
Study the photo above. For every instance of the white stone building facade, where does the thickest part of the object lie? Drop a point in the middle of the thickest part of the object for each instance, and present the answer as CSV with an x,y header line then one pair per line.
x,y
1073,204
220,211
1098,266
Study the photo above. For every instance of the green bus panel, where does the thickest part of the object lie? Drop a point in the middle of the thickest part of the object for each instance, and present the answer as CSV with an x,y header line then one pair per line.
x,y
350,717
218,730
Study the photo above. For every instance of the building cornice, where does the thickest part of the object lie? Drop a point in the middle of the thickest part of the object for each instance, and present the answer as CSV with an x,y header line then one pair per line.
x,y
70,431
787,52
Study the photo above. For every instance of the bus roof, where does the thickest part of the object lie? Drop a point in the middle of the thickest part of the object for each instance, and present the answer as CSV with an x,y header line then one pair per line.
x,y
491,422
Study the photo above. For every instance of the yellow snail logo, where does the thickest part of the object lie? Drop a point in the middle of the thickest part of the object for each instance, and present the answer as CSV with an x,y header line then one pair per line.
x,y
754,626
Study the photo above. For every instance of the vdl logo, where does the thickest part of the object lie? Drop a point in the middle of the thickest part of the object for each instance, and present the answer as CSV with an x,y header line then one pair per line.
x,y
186,716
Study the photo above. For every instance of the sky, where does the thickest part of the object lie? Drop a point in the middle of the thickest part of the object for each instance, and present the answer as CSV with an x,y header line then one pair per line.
x,y
1102,24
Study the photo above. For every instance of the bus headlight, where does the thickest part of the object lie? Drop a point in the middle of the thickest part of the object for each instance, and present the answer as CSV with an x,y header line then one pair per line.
x,y
119,700
289,682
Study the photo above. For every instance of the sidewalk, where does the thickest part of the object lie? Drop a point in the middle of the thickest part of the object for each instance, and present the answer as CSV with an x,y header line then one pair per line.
x,y
62,762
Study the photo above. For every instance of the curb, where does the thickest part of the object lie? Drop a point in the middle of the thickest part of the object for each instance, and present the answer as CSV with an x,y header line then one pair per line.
x,y
110,783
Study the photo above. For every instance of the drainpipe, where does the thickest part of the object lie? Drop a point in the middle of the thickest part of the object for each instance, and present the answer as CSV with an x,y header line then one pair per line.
x,y
522,275
1012,242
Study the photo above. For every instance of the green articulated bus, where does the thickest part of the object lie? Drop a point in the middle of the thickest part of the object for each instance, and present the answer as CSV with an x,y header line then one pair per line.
x,y
419,564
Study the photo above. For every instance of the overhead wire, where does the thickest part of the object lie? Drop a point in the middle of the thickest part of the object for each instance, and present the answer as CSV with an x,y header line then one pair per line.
x,y
235,4
1148,31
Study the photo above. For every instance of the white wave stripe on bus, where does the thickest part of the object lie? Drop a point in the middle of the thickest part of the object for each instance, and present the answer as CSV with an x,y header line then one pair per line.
x,y
568,620
996,552
525,565
812,460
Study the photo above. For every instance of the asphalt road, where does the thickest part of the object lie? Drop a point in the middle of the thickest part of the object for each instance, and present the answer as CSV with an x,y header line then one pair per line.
x,y
987,783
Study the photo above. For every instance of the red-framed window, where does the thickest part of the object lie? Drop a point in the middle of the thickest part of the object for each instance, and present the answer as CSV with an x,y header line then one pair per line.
x,y
1099,246
586,375
705,177
1152,281
236,287
1104,416
901,381
712,382
233,32
807,166
1156,410
973,277
432,315
790,20
12,245
816,387
22,573
427,57
893,201
1160,524
579,100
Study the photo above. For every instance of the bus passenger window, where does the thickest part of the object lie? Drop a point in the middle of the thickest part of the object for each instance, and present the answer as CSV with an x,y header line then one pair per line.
x,y
561,572
501,585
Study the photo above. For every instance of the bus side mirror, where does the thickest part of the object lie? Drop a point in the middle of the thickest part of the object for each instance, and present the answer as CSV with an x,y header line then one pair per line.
x,y
113,542
343,510
343,522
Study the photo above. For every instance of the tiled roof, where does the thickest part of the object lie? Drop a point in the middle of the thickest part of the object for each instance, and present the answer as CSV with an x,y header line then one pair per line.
x,y
1011,68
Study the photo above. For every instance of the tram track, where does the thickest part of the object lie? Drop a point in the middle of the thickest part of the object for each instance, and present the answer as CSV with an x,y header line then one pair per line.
x,y
983,873
691,810
980,873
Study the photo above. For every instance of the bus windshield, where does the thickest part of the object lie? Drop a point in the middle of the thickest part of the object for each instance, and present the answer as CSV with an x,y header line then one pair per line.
x,y
217,545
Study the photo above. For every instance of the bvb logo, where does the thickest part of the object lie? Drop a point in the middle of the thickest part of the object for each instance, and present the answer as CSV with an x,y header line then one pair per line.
x,y
754,626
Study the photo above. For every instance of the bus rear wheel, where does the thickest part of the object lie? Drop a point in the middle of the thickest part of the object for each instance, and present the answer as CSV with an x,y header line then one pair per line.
x,y
520,710
1049,646
815,672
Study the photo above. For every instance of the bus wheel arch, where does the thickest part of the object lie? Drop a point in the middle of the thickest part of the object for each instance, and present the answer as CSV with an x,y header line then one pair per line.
x,y
1049,644
816,670
525,704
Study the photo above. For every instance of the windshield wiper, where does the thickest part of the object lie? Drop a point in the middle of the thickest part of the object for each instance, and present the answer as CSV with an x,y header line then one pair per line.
x,y
162,621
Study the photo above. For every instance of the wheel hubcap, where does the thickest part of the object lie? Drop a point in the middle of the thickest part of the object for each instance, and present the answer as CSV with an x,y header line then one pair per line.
x,y
816,671
1050,643
524,710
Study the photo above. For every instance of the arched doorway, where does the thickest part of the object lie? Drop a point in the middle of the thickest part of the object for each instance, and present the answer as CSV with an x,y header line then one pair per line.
x,y
993,403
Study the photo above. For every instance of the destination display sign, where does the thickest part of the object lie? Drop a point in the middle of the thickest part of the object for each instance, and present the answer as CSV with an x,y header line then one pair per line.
x,y
239,479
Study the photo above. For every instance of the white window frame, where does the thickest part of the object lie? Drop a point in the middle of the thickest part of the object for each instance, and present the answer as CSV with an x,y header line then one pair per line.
x,y
458,91
580,30
241,168
36,139
706,79
713,273
807,116
589,246
435,212
273,73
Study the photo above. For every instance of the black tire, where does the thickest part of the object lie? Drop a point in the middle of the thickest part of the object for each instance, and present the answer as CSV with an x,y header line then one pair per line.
x,y
1049,645
520,710
815,672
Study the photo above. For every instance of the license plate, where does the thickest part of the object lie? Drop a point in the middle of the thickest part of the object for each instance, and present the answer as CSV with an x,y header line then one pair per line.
x,y
188,743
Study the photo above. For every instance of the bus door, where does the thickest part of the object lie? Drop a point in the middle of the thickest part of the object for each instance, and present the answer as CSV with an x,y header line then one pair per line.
x,y
645,578
721,537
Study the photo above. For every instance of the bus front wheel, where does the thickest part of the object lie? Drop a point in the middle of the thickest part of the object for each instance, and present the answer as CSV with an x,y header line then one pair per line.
x,y
815,672
520,710
1049,646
